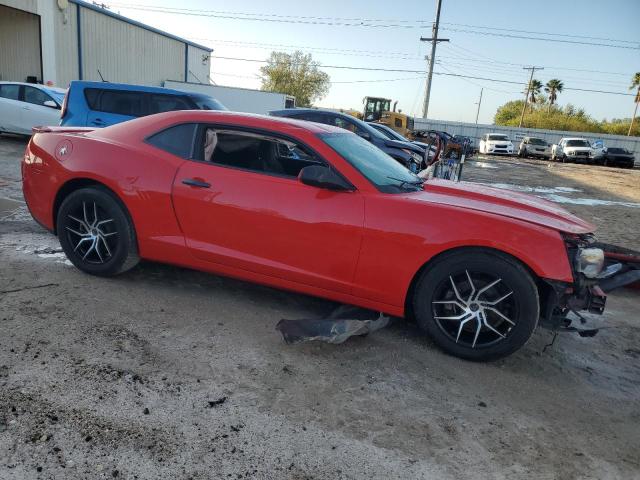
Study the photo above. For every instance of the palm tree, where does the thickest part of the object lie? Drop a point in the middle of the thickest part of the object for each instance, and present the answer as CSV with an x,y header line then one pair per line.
x,y
635,83
534,89
553,88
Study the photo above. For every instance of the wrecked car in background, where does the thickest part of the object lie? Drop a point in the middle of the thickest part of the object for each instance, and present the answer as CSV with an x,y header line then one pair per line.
x,y
282,202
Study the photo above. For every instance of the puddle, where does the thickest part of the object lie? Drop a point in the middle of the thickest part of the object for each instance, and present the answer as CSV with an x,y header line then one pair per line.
x,y
7,206
558,195
522,188
482,164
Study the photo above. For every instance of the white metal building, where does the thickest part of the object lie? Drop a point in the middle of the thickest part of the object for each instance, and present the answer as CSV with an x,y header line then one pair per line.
x,y
62,40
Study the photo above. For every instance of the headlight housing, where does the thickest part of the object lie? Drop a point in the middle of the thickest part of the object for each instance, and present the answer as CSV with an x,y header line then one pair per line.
x,y
589,261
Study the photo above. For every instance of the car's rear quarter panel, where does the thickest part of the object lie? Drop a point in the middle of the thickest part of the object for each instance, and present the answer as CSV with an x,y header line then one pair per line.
x,y
139,176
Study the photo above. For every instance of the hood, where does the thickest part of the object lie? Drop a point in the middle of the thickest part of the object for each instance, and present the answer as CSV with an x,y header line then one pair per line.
x,y
405,145
498,141
579,149
528,208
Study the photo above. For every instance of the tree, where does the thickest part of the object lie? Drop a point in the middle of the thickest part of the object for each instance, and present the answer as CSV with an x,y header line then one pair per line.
x,y
534,89
635,83
553,88
295,74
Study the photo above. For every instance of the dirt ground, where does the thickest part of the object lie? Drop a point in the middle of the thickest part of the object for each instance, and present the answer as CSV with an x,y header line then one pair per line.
x,y
169,373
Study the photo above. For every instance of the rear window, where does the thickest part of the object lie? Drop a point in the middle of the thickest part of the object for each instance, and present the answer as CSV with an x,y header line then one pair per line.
x,y
12,92
177,140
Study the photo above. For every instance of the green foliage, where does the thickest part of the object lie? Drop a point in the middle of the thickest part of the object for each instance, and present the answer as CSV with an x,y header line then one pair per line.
x,y
553,88
295,74
552,117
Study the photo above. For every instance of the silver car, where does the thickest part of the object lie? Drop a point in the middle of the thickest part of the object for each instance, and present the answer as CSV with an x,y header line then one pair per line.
x,y
534,147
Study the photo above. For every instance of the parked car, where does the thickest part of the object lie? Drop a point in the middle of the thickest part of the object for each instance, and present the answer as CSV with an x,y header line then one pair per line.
x,y
27,105
493,143
619,156
410,155
534,147
599,151
391,134
315,209
572,150
100,104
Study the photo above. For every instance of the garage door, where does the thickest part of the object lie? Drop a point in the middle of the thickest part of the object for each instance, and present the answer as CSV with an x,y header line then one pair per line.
x,y
20,40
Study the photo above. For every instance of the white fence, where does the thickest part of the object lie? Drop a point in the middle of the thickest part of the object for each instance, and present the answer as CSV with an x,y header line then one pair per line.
x,y
474,132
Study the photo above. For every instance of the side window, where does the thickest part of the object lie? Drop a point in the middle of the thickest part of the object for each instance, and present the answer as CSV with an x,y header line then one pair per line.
x,y
122,103
92,95
166,103
312,117
255,152
342,123
12,92
35,96
178,140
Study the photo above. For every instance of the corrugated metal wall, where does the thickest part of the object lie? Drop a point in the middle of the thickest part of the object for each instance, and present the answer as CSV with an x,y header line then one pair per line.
x,y
515,134
18,28
126,53
66,39
198,69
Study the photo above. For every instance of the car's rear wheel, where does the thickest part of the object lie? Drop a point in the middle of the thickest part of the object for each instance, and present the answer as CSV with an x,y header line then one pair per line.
x,y
477,305
96,233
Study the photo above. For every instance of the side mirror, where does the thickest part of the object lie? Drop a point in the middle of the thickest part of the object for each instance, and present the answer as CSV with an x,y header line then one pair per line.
x,y
363,134
323,177
51,104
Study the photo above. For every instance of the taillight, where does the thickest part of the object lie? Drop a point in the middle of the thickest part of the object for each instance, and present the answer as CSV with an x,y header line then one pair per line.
x,y
63,112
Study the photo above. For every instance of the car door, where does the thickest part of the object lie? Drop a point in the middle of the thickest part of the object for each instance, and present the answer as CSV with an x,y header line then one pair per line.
x,y
36,113
11,111
115,106
241,205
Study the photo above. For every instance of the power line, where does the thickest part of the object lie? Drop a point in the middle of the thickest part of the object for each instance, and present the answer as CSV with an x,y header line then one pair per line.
x,y
345,67
524,37
352,22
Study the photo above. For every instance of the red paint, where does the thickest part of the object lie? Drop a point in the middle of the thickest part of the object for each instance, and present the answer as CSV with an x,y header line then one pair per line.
x,y
362,247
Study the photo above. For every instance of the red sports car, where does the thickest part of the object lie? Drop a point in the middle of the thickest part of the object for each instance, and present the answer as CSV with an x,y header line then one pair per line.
x,y
315,209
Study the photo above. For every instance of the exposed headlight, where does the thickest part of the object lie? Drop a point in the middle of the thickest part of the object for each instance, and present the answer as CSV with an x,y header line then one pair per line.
x,y
589,261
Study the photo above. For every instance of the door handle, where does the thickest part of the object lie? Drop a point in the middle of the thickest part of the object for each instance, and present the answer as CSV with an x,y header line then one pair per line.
x,y
192,182
97,121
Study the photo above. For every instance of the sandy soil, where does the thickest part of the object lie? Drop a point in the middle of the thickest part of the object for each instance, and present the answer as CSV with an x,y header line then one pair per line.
x,y
168,373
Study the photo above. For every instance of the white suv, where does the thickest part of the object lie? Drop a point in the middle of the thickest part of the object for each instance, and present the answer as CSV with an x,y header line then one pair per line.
x,y
573,150
495,143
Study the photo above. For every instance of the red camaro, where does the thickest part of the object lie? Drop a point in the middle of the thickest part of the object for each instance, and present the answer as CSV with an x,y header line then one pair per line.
x,y
315,209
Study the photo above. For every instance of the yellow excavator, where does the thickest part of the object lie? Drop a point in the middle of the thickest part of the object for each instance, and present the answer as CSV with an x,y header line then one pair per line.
x,y
378,109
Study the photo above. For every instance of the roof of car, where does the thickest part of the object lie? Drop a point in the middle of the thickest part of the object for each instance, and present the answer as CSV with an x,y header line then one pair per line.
x,y
37,85
160,120
126,86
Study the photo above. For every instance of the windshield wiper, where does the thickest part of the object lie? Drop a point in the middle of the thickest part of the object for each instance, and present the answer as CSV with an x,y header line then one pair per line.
x,y
403,183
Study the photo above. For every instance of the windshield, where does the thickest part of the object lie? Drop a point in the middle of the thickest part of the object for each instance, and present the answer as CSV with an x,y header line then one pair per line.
x,y
537,141
617,150
384,172
499,138
205,102
57,96
578,143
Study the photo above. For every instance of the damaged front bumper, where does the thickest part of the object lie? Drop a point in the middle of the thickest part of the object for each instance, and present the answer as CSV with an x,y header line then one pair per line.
x,y
621,268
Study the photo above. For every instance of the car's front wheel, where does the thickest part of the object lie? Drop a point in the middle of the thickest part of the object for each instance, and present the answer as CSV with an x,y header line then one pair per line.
x,y
478,305
95,232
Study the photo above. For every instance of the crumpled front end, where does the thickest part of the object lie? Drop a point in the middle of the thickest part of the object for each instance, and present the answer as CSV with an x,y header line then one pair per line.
x,y
598,269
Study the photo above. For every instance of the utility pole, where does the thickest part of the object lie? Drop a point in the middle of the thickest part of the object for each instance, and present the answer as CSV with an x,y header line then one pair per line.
x,y
526,95
434,41
479,103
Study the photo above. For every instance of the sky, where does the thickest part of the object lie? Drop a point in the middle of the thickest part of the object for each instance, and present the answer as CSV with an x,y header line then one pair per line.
x,y
224,26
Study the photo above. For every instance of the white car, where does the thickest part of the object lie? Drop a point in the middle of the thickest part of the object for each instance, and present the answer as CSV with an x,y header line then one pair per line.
x,y
573,149
27,105
495,143
534,147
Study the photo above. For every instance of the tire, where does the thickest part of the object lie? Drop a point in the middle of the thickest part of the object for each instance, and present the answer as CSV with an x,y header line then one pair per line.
x,y
521,307
96,232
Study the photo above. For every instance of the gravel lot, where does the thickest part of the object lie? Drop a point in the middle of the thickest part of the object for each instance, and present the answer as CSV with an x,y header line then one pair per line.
x,y
169,373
